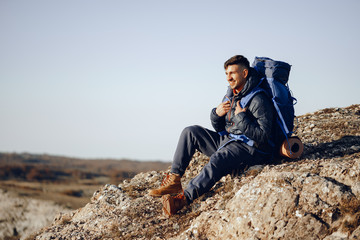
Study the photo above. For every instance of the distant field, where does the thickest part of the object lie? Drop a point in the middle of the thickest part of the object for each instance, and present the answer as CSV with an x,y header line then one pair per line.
x,y
67,181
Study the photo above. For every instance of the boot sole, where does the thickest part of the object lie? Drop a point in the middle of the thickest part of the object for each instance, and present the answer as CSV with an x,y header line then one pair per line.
x,y
163,194
160,195
166,207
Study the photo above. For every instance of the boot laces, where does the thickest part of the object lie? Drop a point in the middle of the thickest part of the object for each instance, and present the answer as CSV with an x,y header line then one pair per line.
x,y
180,195
165,181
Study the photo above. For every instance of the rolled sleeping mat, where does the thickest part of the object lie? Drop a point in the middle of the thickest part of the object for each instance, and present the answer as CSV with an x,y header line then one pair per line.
x,y
295,150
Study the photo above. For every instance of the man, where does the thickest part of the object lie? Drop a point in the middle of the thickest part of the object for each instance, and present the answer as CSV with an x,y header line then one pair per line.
x,y
240,140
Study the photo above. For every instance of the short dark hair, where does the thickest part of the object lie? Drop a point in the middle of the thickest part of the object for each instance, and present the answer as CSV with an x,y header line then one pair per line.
x,y
239,60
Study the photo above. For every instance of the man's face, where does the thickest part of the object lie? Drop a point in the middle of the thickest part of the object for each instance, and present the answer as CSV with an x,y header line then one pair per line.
x,y
236,76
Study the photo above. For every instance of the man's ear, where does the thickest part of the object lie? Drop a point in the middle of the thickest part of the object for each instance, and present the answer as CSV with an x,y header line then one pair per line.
x,y
245,72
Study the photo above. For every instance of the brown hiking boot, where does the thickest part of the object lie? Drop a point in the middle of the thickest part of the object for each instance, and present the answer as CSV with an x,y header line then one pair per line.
x,y
170,185
173,204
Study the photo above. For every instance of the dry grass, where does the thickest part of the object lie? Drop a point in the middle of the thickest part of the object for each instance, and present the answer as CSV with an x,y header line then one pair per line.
x,y
63,194
67,181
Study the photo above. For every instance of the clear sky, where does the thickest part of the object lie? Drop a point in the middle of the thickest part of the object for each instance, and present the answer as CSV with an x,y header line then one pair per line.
x,y
121,79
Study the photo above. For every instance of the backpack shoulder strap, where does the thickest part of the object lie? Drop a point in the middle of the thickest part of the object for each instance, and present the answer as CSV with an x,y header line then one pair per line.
x,y
244,102
247,98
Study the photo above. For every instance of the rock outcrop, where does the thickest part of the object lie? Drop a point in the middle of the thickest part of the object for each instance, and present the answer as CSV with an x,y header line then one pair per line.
x,y
314,197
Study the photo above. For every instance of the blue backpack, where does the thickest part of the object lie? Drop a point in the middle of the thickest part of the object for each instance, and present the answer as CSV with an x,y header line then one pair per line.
x,y
275,75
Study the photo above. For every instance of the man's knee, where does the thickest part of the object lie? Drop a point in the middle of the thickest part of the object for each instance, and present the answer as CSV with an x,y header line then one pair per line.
x,y
191,130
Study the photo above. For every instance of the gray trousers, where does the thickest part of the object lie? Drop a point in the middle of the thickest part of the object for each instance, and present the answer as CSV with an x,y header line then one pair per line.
x,y
232,155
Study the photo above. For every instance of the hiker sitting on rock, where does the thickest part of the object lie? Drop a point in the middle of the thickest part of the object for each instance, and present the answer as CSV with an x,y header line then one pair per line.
x,y
240,140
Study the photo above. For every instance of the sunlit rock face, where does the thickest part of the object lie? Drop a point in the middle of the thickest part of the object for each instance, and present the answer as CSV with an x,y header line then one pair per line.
x,y
314,197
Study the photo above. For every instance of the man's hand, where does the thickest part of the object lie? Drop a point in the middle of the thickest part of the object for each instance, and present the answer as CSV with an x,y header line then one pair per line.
x,y
238,109
223,108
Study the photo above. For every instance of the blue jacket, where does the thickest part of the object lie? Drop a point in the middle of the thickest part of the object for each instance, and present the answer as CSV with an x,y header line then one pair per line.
x,y
256,123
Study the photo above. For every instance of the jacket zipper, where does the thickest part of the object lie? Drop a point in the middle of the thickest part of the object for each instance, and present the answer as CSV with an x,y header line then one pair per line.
x,y
232,124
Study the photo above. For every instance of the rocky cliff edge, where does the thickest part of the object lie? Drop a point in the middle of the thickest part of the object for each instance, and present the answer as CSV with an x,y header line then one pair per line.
x,y
314,197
